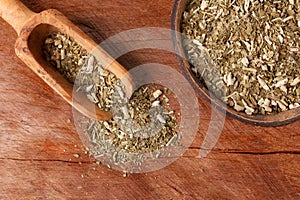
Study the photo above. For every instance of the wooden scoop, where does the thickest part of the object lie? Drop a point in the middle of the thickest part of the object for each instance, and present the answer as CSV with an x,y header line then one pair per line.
x,y
32,29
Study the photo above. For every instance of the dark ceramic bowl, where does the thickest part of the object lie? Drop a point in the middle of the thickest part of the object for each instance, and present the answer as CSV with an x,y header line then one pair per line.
x,y
279,119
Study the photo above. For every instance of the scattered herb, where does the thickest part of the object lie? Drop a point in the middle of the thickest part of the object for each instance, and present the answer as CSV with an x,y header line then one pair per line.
x,y
76,155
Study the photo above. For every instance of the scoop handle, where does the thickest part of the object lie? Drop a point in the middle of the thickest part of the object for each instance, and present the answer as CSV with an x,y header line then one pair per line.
x,y
15,13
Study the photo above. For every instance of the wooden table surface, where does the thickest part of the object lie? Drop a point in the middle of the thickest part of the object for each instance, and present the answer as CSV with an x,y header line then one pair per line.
x,y
38,142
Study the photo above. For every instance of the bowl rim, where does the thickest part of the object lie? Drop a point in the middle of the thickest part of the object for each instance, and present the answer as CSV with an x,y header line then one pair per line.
x,y
282,118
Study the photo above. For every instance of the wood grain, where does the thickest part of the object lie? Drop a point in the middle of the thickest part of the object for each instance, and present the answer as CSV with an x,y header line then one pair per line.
x,y
15,13
37,143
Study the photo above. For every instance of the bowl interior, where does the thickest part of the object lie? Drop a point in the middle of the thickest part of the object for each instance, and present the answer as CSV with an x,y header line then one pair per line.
x,y
279,119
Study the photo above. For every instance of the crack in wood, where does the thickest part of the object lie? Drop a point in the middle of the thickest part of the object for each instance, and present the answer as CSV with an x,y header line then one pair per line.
x,y
262,153
184,156
45,160
237,151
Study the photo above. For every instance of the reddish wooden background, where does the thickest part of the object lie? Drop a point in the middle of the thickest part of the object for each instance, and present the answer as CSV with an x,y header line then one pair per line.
x,y
37,143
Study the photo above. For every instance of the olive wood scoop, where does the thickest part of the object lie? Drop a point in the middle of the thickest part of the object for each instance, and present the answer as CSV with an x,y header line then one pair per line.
x,y
32,29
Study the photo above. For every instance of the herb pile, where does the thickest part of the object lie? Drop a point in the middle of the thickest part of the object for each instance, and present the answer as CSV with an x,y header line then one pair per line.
x,y
142,124
130,135
255,49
